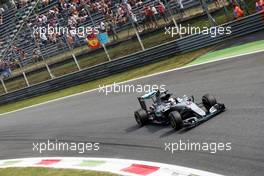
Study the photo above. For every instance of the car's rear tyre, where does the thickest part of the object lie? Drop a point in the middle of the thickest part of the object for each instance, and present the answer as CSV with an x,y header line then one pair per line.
x,y
208,101
175,120
141,117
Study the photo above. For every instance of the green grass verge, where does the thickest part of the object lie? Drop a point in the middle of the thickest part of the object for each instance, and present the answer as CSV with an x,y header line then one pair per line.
x,y
50,172
170,63
229,52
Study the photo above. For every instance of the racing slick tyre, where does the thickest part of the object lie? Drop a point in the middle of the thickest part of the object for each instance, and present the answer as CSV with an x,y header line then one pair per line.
x,y
175,120
208,101
141,117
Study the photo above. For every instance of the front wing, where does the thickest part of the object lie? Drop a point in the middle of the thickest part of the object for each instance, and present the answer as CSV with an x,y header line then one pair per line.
x,y
194,121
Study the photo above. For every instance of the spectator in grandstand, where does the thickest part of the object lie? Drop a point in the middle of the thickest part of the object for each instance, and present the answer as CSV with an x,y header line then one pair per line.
x,y
155,12
82,16
259,5
137,9
72,21
23,56
135,21
146,23
36,38
54,11
1,43
109,15
45,2
43,38
62,5
132,16
217,3
36,55
18,52
149,14
70,39
238,12
112,29
5,68
2,10
52,38
181,9
44,19
162,11
139,3
102,28
121,15
23,3
12,3
242,5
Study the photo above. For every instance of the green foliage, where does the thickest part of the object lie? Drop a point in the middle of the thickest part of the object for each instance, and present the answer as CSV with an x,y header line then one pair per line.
x,y
49,172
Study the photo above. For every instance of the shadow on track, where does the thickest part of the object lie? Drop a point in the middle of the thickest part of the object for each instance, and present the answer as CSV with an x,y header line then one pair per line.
x,y
132,128
151,127
181,131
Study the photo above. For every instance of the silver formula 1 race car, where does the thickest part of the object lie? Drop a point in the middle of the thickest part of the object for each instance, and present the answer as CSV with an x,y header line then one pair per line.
x,y
161,107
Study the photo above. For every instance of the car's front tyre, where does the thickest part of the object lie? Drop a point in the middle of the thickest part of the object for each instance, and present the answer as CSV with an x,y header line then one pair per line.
x,y
208,101
175,120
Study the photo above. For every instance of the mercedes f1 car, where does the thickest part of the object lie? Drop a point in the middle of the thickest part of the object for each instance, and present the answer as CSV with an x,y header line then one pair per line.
x,y
161,107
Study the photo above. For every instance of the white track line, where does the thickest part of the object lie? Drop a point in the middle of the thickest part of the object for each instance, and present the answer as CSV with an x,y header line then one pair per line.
x,y
147,76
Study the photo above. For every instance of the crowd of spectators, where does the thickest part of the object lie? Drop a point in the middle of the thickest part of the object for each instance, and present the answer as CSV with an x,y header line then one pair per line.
x,y
23,3
74,13
77,12
115,13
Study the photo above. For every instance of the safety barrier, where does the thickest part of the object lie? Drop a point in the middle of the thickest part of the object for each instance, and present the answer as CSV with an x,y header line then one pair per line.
x,y
244,26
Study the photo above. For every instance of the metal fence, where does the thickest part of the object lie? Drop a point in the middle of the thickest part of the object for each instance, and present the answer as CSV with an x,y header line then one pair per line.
x,y
244,26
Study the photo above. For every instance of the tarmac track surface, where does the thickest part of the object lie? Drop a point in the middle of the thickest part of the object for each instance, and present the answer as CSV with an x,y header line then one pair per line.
x,y
94,117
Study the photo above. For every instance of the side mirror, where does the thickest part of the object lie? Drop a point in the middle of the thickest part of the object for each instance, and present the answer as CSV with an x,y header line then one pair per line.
x,y
158,93
192,98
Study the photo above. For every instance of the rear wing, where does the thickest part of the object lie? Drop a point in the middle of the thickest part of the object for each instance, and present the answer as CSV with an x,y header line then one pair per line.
x,y
142,103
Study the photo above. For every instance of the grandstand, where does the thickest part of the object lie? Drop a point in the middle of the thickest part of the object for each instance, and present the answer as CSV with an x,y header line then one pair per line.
x,y
27,59
23,40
